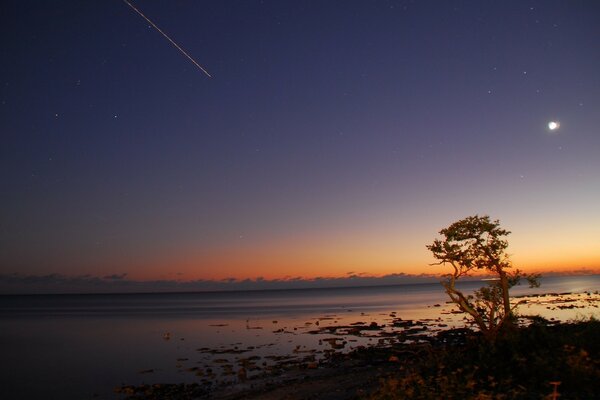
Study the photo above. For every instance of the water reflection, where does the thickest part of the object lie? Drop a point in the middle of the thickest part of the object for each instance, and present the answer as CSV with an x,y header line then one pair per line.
x,y
78,346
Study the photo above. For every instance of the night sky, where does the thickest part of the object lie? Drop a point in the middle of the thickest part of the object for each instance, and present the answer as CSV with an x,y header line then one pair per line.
x,y
334,138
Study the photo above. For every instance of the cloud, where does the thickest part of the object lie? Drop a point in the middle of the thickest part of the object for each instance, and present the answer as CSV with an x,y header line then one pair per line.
x,y
115,277
120,283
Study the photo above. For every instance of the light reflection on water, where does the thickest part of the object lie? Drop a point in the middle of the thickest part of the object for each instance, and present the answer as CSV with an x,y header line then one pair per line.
x,y
75,346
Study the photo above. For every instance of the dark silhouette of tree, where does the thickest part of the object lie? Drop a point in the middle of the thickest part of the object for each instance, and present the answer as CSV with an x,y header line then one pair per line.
x,y
478,244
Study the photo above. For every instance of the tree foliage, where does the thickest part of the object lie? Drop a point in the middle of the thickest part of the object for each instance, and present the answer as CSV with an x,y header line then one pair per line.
x,y
479,244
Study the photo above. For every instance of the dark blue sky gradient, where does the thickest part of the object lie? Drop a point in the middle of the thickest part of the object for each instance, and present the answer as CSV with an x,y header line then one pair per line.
x,y
325,123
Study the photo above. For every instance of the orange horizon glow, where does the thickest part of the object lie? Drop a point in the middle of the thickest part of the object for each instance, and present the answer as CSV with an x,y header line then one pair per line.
x,y
378,249
312,258
304,268
290,277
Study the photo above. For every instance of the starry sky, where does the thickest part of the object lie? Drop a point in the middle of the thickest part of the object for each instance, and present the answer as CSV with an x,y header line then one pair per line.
x,y
334,138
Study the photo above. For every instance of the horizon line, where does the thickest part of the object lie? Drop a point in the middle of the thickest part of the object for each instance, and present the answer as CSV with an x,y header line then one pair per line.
x,y
19,284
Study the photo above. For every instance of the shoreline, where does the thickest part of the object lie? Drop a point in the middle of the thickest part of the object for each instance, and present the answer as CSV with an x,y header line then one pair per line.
x,y
343,374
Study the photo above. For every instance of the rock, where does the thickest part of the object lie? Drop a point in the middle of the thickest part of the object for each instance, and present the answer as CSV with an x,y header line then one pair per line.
x,y
312,365
242,374
333,342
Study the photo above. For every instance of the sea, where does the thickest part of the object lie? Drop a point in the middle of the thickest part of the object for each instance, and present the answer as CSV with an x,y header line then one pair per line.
x,y
83,346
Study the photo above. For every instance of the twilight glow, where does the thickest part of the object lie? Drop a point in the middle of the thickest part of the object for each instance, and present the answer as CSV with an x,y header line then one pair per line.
x,y
332,139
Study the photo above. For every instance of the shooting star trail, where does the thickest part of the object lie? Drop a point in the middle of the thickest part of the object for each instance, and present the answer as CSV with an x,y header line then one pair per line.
x,y
168,38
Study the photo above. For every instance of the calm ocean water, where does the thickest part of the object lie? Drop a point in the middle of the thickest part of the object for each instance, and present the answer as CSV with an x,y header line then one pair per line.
x,y
82,346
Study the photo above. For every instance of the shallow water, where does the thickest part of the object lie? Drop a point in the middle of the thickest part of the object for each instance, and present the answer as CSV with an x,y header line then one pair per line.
x,y
82,346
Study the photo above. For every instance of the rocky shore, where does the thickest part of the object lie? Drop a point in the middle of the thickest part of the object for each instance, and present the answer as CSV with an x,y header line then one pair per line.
x,y
398,349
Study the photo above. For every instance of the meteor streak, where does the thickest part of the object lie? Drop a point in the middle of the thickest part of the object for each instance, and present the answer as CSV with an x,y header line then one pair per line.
x,y
168,38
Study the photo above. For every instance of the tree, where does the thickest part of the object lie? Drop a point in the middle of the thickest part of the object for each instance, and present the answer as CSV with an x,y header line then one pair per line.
x,y
478,244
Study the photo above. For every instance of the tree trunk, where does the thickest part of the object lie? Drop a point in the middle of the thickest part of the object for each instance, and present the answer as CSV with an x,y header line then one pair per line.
x,y
459,299
508,318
